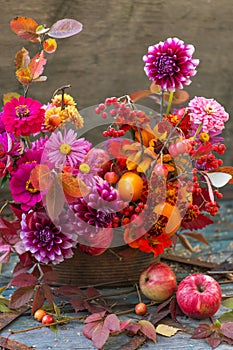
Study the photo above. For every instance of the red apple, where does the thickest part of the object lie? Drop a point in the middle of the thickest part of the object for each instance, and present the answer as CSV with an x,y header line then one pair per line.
x,y
199,296
158,282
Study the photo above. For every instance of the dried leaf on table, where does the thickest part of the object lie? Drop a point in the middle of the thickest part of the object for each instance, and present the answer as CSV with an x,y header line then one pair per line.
x,y
167,331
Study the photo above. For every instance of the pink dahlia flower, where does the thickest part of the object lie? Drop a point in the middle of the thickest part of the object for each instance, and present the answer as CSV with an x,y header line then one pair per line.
x,y
170,64
209,113
46,242
22,190
23,116
66,149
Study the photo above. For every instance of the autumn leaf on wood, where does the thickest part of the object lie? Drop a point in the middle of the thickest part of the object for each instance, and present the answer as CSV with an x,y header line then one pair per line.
x,y
148,329
23,280
21,297
25,28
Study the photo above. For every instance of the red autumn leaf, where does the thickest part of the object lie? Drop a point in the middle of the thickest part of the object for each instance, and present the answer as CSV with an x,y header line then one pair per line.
x,y
214,340
22,59
48,294
132,327
89,329
50,276
228,170
200,222
50,45
65,28
69,290
38,300
202,331
139,95
148,329
21,297
95,317
5,250
100,335
55,200
78,304
25,28
196,235
227,329
112,323
23,280
92,292
40,177
36,65
124,324
10,231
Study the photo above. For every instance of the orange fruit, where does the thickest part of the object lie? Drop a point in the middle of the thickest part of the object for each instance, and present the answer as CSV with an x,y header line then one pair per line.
x,y
130,186
172,213
39,314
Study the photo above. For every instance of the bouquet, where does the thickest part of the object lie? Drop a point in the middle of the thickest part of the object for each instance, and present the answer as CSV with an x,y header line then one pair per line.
x,y
153,179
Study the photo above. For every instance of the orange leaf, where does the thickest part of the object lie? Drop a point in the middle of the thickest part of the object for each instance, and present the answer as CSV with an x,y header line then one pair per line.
x,y
179,97
24,76
228,170
8,96
25,28
22,58
36,65
50,45
40,177
139,95
185,243
154,88
73,186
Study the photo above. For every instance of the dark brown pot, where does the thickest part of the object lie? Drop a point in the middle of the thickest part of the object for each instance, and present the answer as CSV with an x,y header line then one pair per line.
x,y
115,267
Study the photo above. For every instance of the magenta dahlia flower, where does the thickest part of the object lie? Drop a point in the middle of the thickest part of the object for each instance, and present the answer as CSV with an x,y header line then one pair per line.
x,y
22,190
208,113
170,64
66,149
46,242
23,116
96,210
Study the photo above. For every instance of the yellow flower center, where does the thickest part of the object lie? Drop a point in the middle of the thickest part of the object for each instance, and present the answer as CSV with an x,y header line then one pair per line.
x,y
204,137
65,148
84,168
22,111
30,188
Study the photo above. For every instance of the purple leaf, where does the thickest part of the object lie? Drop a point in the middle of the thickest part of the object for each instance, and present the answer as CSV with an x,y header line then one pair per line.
x,y
95,317
227,329
214,340
65,28
112,323
21,297
100,335
23,280
202,331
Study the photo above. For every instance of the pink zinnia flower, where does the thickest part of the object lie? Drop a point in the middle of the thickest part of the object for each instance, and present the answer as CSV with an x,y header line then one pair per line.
x,y
23,116
208,113
170,64
66,149
22,190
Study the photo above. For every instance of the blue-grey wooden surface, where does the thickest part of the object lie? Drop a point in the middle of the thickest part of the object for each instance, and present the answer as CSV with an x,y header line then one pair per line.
x,y
69,336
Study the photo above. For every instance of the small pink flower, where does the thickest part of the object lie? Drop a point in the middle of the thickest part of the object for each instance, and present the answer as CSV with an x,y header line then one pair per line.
x,y
22,116
209,113
66,149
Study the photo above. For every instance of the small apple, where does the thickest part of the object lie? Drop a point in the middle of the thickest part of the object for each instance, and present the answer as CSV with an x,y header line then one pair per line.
x,y
199,296
158,282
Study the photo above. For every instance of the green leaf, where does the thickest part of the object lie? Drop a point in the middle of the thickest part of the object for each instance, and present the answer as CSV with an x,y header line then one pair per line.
x,y
228,303
4,308
9,96
226,317
65,28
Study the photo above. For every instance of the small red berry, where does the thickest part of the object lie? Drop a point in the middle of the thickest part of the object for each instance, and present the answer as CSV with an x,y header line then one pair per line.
x,y
47,319
140,309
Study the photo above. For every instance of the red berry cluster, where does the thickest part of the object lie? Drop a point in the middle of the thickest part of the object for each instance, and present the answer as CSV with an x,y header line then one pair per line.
x,y
220,149
111,132
129,214
211,207
209,162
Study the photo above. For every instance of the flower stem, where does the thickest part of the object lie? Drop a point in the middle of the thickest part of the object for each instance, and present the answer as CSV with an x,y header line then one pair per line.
x,y
28,141
169,102
197,131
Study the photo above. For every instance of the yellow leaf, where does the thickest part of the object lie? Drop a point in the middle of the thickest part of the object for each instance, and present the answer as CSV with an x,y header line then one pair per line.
x,y
22,58
166,331
24,76
9,96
